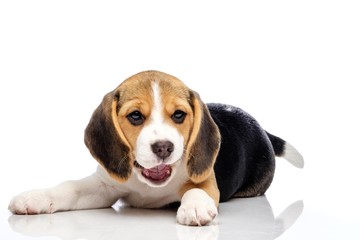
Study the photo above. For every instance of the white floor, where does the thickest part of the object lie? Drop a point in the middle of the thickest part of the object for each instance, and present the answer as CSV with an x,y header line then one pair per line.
x,y
240,219
288,211
246,219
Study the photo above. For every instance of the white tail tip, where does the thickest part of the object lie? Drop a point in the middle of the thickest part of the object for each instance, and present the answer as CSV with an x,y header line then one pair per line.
x,y
293,156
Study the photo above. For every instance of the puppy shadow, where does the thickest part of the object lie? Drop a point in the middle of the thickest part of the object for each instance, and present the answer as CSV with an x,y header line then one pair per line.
x,y
253,218
250,218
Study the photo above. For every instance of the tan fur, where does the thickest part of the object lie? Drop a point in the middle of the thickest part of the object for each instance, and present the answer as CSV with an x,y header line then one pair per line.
x,y
209,186
114,117
134,96
196,126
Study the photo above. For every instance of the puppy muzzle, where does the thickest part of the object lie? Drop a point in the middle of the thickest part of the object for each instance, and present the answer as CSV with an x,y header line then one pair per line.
x,y
158,174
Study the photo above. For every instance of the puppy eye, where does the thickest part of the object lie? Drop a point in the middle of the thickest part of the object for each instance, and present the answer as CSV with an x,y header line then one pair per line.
x,y
178,116
136,118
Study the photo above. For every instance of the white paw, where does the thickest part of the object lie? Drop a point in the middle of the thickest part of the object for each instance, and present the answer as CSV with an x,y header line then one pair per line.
x,y
196,209
32,202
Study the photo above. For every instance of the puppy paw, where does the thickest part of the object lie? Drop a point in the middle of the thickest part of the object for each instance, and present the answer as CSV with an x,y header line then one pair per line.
x,y
32,202
196,214
196,209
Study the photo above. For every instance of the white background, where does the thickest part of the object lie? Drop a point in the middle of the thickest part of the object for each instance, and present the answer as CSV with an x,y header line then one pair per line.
x,y
293,65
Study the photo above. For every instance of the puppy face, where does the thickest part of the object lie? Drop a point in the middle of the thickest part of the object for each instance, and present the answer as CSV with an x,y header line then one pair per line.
x,y
148,125
155,116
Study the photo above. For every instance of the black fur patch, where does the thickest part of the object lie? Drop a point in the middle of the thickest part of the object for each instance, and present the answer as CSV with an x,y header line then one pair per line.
x,y
245,164
277,143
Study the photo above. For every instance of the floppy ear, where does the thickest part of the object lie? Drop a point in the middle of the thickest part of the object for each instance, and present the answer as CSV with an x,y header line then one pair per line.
x,y
105,140
204,142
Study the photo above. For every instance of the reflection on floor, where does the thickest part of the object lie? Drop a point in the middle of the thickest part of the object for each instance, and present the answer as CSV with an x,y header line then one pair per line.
x,y
250,218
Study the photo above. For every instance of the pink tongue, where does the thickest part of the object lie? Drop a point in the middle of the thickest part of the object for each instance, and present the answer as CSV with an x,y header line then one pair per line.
x,y
157,174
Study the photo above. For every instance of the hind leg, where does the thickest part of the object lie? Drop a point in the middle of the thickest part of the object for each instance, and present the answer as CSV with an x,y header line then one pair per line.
x,y
256,188
259,180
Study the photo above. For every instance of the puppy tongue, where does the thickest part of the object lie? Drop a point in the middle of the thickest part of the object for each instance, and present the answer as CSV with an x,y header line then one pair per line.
x,y
157,174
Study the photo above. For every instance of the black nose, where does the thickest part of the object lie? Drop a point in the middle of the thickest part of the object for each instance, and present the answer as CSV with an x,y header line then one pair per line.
x,y
162,149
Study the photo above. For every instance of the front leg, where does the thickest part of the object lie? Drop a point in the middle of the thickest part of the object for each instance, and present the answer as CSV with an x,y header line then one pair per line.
x,y
90,192
199,203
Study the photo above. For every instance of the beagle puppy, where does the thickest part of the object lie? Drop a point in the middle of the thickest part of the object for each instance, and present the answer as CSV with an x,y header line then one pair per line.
x,y
157,143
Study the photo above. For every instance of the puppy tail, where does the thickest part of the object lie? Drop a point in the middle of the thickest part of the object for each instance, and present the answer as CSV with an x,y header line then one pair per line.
x,y
286,150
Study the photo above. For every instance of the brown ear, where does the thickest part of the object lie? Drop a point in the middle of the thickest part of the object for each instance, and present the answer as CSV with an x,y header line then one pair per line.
x,y
105,140
204,142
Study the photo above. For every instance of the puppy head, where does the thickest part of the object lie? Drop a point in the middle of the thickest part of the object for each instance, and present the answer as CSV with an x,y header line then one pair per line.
x,y
148,126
